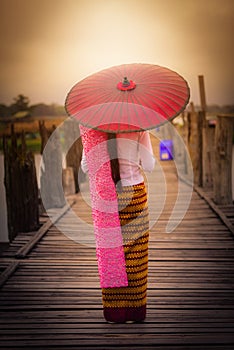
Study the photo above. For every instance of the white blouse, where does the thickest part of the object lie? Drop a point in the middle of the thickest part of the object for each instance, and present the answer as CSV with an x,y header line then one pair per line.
x,y
134,153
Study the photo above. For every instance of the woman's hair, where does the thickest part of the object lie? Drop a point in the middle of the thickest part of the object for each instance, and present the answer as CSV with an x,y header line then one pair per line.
x,y
112,150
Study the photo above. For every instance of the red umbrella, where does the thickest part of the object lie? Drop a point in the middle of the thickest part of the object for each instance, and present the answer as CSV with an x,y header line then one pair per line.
x,y
129,97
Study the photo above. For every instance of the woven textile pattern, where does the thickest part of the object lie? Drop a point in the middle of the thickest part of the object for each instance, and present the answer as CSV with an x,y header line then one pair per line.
x,y
109,242
134,219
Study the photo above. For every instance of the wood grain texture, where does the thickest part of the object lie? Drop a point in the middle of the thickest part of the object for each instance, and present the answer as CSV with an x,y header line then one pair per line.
x,y
53,298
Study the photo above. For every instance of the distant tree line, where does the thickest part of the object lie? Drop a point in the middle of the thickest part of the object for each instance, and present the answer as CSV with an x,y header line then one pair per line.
x,y
220,109
21,103
216,109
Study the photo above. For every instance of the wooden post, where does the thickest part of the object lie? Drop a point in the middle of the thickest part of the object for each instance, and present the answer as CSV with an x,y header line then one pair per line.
x,y
223,160
44,133
200,149
74,155
51,175
207,141
68,181
21,187
194,139
202,92
73,160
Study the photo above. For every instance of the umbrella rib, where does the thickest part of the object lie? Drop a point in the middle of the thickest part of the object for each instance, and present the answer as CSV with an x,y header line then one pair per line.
x,y
87,112
152,73
164,101
160,94
76,104
172,86
136,109
116,104
147,105
170,96
169,115
136,113
81,101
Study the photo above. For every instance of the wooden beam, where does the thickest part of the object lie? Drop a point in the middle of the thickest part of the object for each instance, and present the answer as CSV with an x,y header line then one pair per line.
x,y
8,272
21,186
202,92
207,139
223,160
215,208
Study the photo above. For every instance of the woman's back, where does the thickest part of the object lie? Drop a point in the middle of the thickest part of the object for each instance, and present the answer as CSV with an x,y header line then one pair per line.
x,y
134,153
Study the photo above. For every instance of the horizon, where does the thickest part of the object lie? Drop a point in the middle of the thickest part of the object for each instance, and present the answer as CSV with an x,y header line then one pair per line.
x,y
47,49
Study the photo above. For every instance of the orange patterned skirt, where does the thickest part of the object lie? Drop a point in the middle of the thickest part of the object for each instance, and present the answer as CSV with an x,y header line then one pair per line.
x,y
129,303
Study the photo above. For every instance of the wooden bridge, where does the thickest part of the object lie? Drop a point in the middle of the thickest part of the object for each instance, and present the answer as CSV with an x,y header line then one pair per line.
x,y
50,295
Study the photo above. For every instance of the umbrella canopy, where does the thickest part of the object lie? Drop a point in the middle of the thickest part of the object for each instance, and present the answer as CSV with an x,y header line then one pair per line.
x,y
127,98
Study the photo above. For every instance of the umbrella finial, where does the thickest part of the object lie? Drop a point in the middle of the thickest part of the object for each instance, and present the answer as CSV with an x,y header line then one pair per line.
x,y
126,84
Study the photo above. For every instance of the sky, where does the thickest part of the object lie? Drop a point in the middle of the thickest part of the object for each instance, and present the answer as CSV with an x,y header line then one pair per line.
x,y
49,45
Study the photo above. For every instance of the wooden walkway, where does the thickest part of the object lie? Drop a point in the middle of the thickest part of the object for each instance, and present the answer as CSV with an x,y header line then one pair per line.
x,y
52,298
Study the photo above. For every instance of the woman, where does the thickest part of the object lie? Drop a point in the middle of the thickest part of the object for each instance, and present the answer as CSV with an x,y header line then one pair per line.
x,y
130,153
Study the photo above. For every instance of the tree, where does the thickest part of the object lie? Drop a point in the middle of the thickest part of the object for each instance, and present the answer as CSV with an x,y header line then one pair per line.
x,y
4,111
40,109
21,104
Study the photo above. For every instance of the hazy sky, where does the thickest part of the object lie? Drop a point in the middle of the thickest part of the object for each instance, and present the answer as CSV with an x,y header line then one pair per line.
x,y
49,45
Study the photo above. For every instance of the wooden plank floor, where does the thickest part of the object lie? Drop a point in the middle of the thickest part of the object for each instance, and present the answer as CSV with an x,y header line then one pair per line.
x,y
53,299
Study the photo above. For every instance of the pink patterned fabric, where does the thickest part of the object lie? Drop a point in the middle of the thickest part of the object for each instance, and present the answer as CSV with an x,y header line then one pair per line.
x,y
107,229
